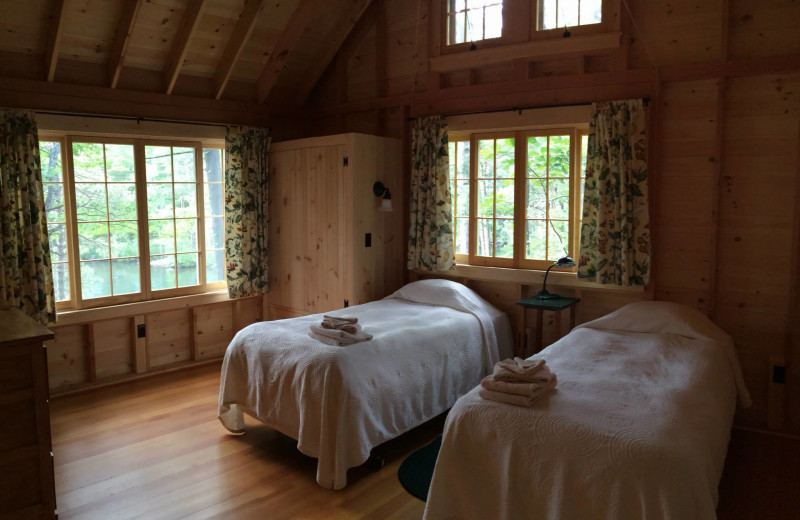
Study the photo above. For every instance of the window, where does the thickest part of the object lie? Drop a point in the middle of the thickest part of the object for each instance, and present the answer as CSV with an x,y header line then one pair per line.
x,y
558,14
527,186
127,219
474,20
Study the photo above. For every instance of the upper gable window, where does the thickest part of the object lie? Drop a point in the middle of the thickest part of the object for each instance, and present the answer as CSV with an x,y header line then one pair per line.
x,y
555,14
474,20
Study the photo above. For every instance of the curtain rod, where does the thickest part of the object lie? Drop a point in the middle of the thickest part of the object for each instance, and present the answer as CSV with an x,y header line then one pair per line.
x,y
519,109
132,118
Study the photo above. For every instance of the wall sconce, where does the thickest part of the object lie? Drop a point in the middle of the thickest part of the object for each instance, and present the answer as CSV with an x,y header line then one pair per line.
x,y
544,294
383,192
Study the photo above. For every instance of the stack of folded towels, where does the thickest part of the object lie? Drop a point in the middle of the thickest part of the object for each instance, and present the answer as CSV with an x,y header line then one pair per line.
x,y
339,331
518,381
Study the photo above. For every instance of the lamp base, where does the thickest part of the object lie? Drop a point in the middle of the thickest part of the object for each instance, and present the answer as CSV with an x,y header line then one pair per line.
x,y
544,294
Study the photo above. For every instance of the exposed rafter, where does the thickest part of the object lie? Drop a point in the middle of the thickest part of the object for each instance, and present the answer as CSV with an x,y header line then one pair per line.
x,y
245,26
333,41
191,19
124,30
54,38
291,35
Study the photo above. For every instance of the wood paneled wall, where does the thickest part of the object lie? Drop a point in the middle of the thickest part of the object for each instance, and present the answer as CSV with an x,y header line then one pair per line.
x,y
89,352
724,81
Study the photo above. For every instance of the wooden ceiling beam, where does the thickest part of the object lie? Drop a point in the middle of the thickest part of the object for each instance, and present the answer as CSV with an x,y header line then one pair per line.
x,y
191,19
130,11
242,32
54,38
291,35
316,67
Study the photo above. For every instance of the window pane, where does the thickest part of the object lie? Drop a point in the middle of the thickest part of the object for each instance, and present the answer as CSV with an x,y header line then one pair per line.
x,y
95,279
162,236
212,165
486,158
186,230
485,237
460,5
591,11
549,9
463,159
504,245
535,247
537,198
125,274
213,199
87,159
505,158
159,201
462,204
215,266
124,239
537,156
584,148
485,198
119,163
462,236
557,239
214,233
183,162
90,200
567,13
494,21
54,202
61,282
50,157
187,270
158,163
474,25
185,200
162,272
93,240
559,198
122,201
457,33
451,158
57,234
559,156
504,205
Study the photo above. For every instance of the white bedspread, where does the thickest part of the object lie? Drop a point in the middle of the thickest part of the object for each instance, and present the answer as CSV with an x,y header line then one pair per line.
x,y
433,341
638,427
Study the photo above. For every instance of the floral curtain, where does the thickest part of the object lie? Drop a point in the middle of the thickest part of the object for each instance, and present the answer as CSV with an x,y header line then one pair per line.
x,y
615,231
246,205
430,237
26,277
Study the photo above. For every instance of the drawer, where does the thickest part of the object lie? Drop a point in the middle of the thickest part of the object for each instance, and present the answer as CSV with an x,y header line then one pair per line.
x,y
20,482
16,371
17,425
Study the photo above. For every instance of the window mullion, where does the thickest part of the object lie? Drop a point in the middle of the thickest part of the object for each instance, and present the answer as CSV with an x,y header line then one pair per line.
x,y
73,251
520,204
473,199
201,216
142,218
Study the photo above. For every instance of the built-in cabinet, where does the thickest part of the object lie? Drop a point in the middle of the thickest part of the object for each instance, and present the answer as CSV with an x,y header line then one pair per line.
x,y
329,243
27,487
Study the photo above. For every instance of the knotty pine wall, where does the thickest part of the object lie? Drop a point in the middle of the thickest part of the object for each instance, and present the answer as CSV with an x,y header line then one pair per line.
x,y
723,77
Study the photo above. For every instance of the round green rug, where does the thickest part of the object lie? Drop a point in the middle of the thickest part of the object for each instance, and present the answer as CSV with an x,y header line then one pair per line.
x,y
416,471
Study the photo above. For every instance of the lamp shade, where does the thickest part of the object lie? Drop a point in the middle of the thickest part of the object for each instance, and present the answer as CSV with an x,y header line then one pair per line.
x,y
386,205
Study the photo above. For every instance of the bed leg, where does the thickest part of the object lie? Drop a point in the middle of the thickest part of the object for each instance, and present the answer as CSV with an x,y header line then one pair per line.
x,y
375,462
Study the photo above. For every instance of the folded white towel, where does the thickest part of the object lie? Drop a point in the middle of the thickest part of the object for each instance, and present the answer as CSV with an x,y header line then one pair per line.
x,y
330,341
349,319
346,326
341,335
519,400
523,388
518,369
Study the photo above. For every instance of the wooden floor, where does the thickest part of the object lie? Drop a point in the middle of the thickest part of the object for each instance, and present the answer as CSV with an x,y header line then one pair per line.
x,y
154,449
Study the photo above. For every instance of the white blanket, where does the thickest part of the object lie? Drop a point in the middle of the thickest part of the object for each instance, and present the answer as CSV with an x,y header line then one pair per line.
x,y
432,342
638,427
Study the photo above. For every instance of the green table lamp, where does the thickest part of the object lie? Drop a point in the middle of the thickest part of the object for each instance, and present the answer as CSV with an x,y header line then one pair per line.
x,y
544,294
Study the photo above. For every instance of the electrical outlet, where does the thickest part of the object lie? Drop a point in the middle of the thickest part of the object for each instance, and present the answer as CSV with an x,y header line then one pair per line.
x,y
140,330
367,239
779,374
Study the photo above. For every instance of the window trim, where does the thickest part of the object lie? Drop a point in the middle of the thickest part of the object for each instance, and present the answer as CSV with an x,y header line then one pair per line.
x,y
610,22
76,301
465,45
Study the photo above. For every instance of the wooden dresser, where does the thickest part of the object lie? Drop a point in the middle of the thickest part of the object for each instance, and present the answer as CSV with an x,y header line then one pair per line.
x,y
26,462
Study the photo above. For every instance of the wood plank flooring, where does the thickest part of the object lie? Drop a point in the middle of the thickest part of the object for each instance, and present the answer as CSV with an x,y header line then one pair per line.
x,y
154,449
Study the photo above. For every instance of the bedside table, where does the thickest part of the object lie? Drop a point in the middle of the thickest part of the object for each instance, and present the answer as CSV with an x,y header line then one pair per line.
x,y
556,305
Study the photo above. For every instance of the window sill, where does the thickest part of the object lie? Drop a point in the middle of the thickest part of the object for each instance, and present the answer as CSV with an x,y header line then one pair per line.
x,y
125,310
530,277
533,49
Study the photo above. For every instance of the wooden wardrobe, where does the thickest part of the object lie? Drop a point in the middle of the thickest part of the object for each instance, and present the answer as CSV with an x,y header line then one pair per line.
x,y
328,242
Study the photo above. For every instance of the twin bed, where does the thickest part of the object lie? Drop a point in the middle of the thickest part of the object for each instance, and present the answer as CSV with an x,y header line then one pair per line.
x,y
637,428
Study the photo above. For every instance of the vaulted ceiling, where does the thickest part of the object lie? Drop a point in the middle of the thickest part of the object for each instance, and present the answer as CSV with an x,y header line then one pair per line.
x,y
251,51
